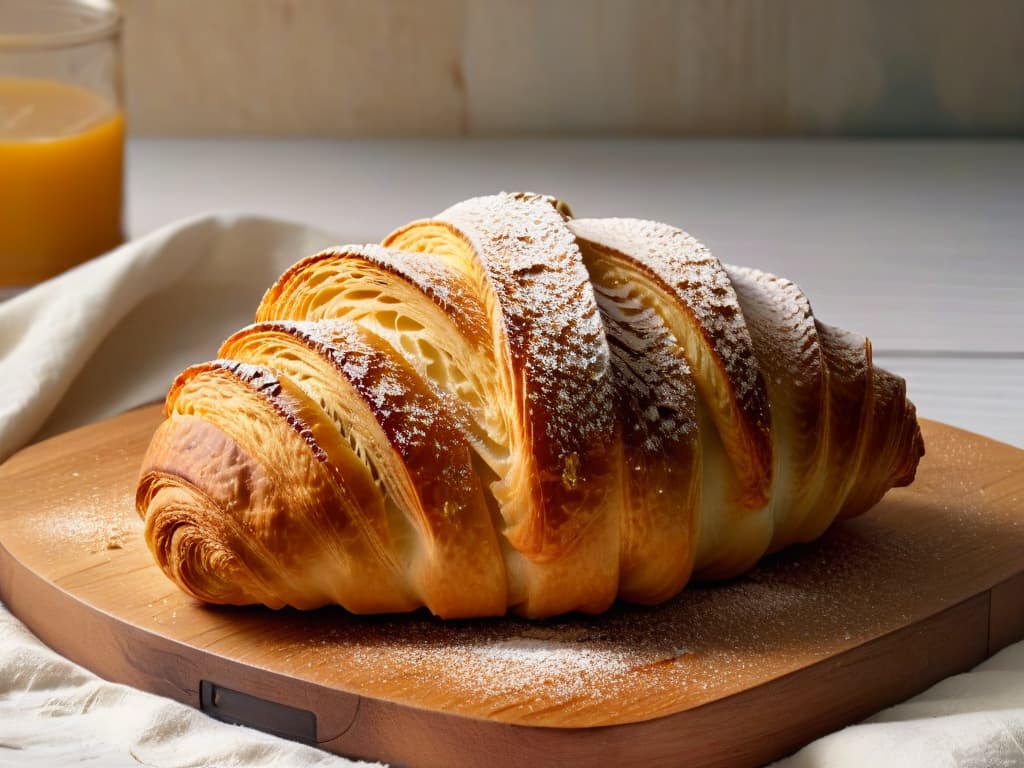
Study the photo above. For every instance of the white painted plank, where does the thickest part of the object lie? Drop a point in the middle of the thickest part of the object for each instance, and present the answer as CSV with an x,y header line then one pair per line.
x,y
977,394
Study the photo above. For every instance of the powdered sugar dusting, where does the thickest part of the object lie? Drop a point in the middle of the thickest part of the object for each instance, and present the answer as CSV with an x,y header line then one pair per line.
x,y
91,527
412,412
549,310
688,268
849,350
782,324
514,661
434,279
653,383
519,662
699,646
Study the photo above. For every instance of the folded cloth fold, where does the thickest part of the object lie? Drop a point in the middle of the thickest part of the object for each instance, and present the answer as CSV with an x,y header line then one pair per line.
x,y
112,334
104,337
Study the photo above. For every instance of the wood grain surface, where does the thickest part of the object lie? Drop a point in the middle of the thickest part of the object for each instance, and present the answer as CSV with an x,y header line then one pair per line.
x,y
926,584
347,68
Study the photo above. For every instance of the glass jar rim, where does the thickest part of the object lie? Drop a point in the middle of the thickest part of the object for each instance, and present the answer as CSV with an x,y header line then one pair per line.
x,y
87,21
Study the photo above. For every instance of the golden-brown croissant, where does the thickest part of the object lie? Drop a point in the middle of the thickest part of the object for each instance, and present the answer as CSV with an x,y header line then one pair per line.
x,y
504,408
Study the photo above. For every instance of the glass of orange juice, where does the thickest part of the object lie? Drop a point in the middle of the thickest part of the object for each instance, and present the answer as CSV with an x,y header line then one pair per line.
x,y
61,137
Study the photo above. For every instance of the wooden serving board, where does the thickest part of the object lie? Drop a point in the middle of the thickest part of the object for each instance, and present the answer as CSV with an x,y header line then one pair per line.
x,y
927,584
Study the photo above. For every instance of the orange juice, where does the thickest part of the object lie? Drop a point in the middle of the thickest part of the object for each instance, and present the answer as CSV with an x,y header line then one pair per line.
x,y
61,169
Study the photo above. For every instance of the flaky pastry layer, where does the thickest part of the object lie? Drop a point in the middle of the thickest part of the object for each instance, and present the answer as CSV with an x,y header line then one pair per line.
x,y
508,408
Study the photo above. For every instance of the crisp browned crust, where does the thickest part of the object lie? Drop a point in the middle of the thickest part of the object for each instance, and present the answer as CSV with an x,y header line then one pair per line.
x,y
503,408
560,501
687,285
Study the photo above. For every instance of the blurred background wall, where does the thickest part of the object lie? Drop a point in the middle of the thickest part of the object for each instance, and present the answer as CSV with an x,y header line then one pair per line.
x,y
528,67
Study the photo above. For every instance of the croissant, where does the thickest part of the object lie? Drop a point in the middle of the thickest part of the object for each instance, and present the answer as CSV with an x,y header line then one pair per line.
x,y
508,408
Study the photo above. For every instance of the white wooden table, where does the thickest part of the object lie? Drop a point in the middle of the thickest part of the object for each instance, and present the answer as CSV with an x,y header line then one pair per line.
x,y
919,245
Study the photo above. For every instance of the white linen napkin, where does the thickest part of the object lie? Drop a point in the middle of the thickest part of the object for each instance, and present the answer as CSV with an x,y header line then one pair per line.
x,y
111,334
100,339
